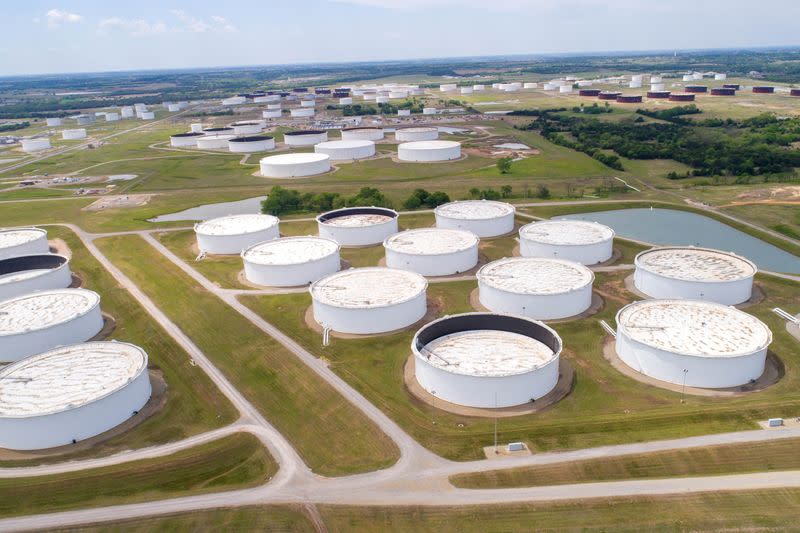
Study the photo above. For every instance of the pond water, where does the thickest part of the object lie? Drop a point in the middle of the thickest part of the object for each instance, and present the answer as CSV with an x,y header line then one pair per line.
x,y
204,212
669,226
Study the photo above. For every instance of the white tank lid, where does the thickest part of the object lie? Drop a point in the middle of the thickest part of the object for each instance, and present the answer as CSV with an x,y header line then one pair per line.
x,y
236,224
372,287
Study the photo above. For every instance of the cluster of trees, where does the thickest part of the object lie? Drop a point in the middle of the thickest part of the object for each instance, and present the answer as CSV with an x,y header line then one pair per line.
x,y
14,126
673,114
593,109
422,198
282,200
535,112
354,110
761,146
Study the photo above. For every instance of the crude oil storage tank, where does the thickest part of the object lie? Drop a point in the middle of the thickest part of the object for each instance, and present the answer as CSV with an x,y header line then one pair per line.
x,y
587,243
432,251
358,226
247,128
301,112
763,89
147,115
535,287
36,322
362,134
271,113
71,393
681,97
295,165
22,241
304,137
308,103
251,143
608,95
30,273
35,145
658,94
429,151
734,86
126,112
234,233
694,274
346,100
629,99
416,134
221,130
53,121
184,139
486,360
723,91
484,218
699,344
213,142
589,92
291,261
369,300
696,89
794,92
346,150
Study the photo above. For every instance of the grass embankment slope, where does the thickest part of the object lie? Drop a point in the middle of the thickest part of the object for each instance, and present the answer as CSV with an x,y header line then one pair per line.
x,y
332,436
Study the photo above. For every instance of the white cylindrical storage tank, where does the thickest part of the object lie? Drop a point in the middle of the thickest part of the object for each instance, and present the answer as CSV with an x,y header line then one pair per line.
x,y
22,241
657,87
180,140
173,108
347,100
148,115
346,150
126,112
635,84
253,143
358,226
371,300
73,135
271,113
655,79
53,121
478,87
273,107
425,133
403,112
467,90
428,110
432,251
300,112
720,76
232,234
484,218
694,274
247,128
291,261
224,130
699,344
362,134
295,165
305,137
529,85
381,99
445,87
308,103
112,117
71,393
30,273
213,142
697,76
35,145
429,151
196,127
398,94
687,77
535,287
369,96
234,100
486,360
565,89
587,243
37,322
84,120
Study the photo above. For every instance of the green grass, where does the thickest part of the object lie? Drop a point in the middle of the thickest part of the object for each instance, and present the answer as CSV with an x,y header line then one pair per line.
x,y
706,461
222,270
193,403
232,462
331,435
605,406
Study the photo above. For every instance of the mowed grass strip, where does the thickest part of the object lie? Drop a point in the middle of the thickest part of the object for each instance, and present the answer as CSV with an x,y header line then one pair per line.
x,y
193,402
332,436
706,461
222,270
233,462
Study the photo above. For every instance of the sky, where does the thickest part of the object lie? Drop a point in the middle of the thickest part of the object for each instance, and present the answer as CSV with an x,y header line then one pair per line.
x,y
40,37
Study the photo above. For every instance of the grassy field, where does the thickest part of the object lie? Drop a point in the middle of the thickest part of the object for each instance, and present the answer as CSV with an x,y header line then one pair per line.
x,y
784,219
302,406
193,403
232,462
707,461
605,406
767,510
222,270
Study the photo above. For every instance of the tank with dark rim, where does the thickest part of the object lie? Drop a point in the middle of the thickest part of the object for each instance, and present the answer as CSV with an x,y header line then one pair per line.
x,y
251,138
217,130
188,134
658,94
303,132
348,211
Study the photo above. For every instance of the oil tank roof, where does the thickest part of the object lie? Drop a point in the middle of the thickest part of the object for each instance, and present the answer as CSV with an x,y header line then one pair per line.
x,y
694,328
535,275
357,217
295,159
40,310
566,232
68,377
16,236
475,209
236,224
431,241
366,288
290,251
696,264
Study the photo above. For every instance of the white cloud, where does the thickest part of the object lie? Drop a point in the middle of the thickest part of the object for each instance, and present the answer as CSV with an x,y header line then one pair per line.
x,y
192,24
57,17
135,27
185,24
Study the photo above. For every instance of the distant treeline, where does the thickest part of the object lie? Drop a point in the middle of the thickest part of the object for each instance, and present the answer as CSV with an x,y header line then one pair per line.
x,y
282,201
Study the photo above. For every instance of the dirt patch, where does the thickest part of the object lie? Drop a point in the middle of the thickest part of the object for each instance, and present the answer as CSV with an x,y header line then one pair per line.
x,y
773,372
59,246
158,398
119,202
566,379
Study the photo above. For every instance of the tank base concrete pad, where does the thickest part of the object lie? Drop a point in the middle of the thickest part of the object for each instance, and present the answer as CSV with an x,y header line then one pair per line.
x,y
434,308
564,385
773,372
157,401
